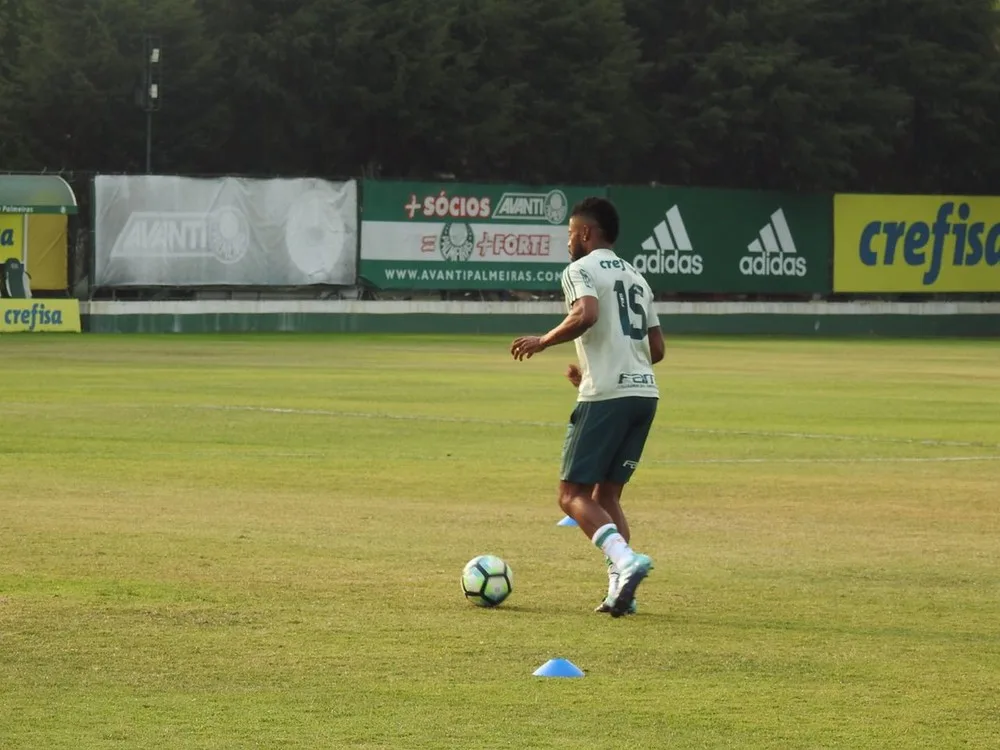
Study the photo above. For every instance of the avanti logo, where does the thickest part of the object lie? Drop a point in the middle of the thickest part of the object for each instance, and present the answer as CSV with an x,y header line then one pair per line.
x,y
669,249
552,207
223,234
773,253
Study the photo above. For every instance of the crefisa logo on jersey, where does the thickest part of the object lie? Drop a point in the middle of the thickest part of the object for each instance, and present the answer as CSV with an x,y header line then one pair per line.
x,y
668,249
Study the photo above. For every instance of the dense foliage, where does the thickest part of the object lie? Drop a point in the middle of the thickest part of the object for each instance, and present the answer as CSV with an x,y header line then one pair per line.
x,y
900,95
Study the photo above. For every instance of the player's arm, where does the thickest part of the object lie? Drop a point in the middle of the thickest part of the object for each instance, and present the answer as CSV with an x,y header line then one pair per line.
x,y
654,333
583,313
656,345
581,316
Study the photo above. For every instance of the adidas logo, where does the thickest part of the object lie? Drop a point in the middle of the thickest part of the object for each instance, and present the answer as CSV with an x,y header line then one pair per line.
x,y
773,253
669,249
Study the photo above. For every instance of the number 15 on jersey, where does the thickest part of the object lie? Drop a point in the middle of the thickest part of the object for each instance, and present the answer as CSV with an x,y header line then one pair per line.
x,y
631,305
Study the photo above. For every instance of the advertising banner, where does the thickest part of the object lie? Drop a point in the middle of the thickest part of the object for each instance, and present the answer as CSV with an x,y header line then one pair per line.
x,y
11,237
420,235
180,231
916,243
38,240
46,254
726,241
39,316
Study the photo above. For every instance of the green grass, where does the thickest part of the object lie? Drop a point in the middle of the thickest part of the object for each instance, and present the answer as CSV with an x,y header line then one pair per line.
x,y
256,541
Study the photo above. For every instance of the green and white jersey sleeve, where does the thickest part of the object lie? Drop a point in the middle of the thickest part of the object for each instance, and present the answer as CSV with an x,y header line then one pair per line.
x,y
614,353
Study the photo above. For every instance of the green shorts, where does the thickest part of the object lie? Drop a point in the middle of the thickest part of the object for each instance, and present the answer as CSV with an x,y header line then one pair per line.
x,y
604,440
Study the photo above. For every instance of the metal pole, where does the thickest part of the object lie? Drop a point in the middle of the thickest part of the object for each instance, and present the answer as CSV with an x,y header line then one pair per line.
x,y
149,97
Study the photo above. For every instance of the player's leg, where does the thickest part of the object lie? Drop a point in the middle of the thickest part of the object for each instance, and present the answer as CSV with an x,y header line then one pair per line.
x,y
586,459
623,466
593,440
576,501
608,496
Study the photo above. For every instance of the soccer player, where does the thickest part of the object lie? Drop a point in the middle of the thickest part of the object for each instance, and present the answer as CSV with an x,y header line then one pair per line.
x,y
618,340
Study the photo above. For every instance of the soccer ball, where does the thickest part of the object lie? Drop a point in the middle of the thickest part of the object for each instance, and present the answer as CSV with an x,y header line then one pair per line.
x,y
487,580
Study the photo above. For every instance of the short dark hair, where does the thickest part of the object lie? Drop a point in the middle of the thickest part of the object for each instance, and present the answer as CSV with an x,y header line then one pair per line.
x,y
602,212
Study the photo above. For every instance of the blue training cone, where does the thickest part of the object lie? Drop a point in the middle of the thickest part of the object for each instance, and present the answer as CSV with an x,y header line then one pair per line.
x,y
558,668
567,521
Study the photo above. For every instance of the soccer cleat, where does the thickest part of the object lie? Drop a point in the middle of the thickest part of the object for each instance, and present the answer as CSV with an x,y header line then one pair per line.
x,y
613,580
605,606
631,575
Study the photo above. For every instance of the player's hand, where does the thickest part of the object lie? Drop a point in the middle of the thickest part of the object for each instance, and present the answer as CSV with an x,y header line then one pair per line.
x,y
524,347
574,375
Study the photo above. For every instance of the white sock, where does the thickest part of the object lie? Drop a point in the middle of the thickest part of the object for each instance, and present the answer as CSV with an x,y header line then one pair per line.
x,y
612,577
613,545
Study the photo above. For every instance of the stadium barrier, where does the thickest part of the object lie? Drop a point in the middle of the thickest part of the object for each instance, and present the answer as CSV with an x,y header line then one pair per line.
x,y
156,236
182,232
970,319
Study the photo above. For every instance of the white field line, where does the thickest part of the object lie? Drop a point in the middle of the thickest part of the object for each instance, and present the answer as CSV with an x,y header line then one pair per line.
x,y
561,425
230,451
867,460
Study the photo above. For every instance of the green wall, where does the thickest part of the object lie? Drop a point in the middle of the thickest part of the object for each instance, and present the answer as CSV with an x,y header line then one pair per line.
x,y
984,325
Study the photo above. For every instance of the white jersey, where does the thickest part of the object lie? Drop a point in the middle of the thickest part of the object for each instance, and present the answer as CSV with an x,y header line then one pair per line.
x,y
614,353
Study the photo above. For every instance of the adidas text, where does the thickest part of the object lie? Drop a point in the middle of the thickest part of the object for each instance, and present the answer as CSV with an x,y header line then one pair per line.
x,y
675,262
773,252
772,265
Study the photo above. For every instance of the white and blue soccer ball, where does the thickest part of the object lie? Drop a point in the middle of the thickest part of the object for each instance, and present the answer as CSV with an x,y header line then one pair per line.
x,y
487,580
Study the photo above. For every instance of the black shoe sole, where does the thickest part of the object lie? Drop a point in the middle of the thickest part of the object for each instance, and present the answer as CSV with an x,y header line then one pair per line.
x,y
626,594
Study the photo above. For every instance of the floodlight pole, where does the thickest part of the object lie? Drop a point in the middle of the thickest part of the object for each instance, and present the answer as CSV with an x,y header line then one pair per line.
x,y
149,96
149,141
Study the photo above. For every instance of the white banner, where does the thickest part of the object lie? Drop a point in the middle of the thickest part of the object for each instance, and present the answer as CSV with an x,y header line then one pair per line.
x,y
182,231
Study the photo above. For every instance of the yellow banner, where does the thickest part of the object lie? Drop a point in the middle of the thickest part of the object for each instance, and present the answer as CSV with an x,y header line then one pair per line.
x,y
11,237
916,243
39,315
46,252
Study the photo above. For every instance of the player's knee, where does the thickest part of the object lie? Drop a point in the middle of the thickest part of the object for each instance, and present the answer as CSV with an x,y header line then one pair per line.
x,y
570,494
608,494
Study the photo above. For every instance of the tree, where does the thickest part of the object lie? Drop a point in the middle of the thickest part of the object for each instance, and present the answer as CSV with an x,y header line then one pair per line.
x,y
936,64
900,95
14,21
553,90
79,66
744,98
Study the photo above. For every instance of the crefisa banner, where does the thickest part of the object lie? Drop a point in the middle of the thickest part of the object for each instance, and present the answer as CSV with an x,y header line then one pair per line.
x,y
916,243
39,315
465,236
154,230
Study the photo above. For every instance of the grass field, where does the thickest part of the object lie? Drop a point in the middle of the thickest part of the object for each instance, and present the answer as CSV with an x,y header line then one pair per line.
x,y
256,541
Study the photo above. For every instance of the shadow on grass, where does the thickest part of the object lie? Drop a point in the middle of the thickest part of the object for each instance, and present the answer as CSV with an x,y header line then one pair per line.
x,y
515,609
